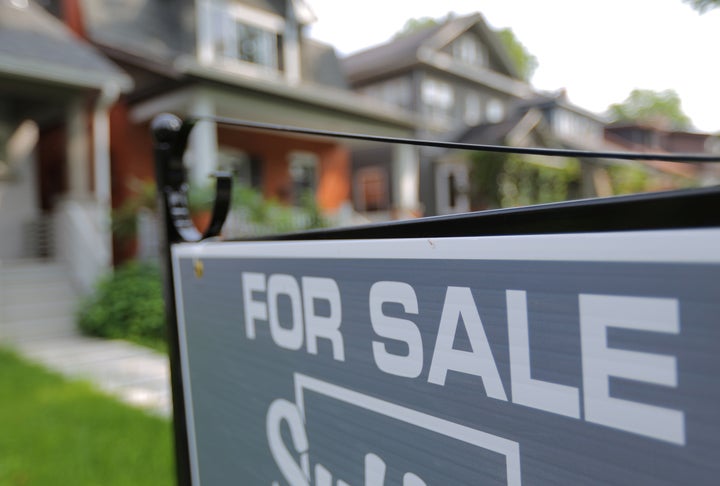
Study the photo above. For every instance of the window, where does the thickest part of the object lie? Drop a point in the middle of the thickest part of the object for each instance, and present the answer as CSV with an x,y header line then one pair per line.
x,y
468,50
495,111
570,125
238,163
394,91
303,174
473,110
371,189
438,98
237,33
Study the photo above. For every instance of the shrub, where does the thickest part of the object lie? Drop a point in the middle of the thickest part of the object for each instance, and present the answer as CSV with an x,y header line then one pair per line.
x,y
126,305
124,218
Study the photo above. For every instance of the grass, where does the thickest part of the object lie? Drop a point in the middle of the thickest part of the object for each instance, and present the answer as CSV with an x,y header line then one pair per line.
x,y
54,432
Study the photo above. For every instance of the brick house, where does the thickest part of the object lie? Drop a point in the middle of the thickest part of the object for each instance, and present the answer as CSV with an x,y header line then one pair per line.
x,y
245,59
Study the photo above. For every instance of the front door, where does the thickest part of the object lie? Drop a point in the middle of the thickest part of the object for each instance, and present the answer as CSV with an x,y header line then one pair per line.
x,y
451,188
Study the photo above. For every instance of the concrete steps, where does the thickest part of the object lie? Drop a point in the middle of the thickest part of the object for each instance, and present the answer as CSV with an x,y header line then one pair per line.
x,y
36,300
37,319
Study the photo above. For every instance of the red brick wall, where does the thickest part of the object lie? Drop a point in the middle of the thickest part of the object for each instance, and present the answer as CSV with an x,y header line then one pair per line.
x,y
131,162
274,151
130,152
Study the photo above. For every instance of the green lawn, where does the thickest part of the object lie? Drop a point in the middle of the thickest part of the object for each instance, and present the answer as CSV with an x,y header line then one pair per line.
x,y
57,432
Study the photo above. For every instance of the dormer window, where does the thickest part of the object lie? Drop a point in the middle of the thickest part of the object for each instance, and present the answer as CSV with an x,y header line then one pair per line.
x,y
239,34
469,50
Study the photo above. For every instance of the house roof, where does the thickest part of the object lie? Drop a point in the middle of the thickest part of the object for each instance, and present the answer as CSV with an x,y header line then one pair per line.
x,y
320,64
146,28
35,45
490,133
557,99
146,31
423,48
385,58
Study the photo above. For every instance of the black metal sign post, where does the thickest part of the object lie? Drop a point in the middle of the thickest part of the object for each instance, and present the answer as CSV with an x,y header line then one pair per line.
x,y
569,343
170,137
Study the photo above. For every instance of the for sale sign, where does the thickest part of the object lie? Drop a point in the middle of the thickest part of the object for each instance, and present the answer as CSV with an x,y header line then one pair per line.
x,y
553,359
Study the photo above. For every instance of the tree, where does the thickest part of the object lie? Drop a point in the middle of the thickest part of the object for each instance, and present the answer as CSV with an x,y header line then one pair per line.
x,y
660,108
525,63
510,180
703,6
415,25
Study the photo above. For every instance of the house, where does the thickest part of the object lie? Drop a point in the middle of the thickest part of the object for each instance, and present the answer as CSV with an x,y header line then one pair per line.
x,y
656,138
648,137
551,120
122,62
56,91
453,75
237,59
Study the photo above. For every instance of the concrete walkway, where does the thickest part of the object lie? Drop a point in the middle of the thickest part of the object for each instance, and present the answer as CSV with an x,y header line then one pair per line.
x,y
37,308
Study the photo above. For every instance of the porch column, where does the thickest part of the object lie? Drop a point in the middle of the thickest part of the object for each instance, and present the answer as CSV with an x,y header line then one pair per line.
x,y
203,144
101,158
406,181
78,150
291,46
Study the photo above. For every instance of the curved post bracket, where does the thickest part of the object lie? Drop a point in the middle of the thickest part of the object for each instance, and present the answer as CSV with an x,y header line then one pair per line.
x,y
170,136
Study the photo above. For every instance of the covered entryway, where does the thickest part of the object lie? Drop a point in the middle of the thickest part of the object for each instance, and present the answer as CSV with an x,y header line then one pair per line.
x,y
55,94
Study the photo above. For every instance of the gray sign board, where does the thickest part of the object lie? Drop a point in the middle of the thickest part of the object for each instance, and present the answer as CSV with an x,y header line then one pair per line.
x,y
536,360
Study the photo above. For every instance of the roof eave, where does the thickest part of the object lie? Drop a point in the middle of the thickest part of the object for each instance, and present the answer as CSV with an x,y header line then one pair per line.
x,y
321,96
493,80
63,75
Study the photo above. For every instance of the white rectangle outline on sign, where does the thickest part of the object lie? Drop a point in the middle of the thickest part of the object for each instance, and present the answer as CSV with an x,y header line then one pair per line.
x,y
508,448
693,246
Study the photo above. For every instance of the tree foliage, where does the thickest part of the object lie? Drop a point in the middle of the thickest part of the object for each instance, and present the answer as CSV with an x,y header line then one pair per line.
x,y
510,180
524,62
659,108
415,25
703,6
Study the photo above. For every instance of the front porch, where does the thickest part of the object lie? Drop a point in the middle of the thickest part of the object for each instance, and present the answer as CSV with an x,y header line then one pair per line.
x,y
54,143
54,189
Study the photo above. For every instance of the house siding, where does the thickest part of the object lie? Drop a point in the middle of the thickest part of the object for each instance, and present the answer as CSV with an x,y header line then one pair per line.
x,y
333,187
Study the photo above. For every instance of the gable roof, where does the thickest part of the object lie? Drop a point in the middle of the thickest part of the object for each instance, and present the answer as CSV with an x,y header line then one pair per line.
x,y
35,45
394,55
558,99
423,48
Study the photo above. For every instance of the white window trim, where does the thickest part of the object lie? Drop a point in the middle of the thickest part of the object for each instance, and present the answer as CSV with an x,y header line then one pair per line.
x,y
473,109
257,18
239,14
442,193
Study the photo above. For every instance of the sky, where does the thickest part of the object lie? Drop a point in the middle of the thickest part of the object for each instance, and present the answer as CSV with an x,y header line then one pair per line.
x,y
598,50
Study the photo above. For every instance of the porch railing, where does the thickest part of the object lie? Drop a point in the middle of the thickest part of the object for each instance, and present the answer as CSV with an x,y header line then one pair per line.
x,y
82,242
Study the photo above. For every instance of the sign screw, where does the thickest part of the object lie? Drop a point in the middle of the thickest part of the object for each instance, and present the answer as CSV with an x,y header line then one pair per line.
x,y
198,267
